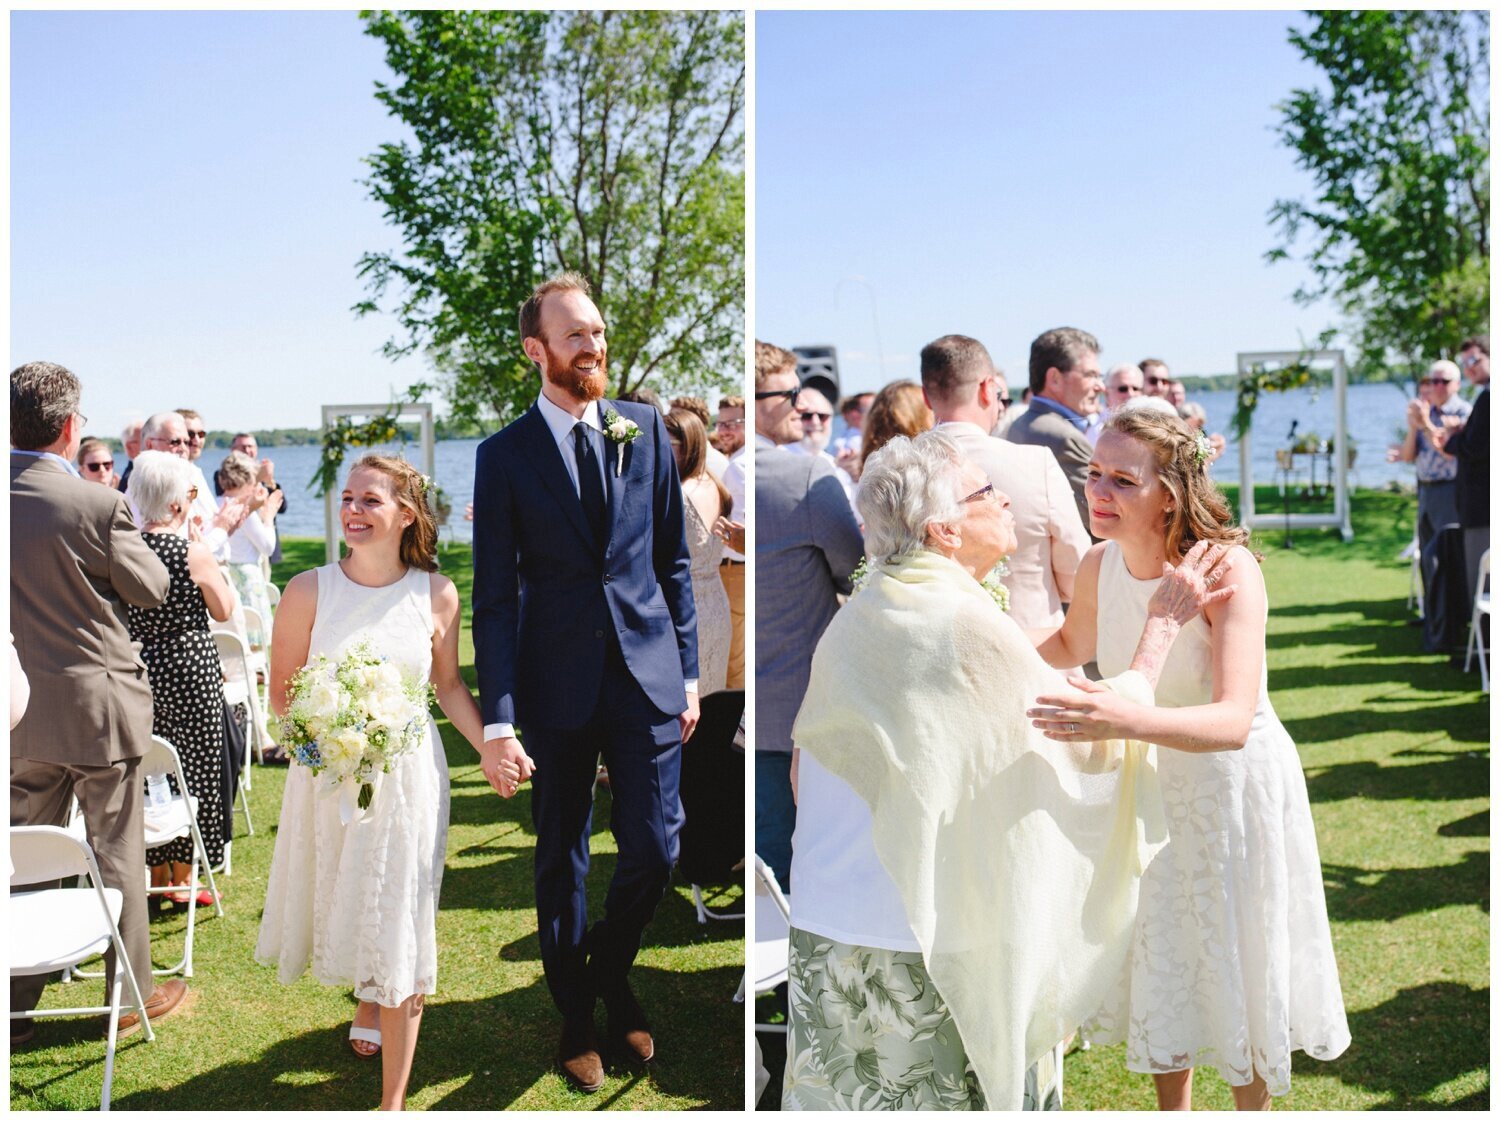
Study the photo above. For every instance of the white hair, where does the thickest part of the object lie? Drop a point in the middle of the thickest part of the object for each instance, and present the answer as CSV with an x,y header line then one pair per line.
x,y
906,486
151,427
1443,366
1191,410
131,429
1124,368
158,480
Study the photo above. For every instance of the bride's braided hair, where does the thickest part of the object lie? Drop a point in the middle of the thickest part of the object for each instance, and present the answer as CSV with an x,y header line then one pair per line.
x,y
1199,512
418,540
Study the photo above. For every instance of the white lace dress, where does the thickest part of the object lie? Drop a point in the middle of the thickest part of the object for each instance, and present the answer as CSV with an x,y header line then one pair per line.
x,y
359,902
1232,962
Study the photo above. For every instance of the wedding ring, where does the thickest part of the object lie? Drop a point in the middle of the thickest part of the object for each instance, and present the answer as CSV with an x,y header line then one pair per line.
x,y
1072,729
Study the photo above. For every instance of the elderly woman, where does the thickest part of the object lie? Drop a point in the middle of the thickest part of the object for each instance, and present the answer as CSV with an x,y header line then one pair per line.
x,y
187,688
962,889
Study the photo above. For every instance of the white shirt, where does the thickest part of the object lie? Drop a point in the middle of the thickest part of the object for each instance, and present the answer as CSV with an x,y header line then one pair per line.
x,y
207,507
734,483
560,423
252,541
839,887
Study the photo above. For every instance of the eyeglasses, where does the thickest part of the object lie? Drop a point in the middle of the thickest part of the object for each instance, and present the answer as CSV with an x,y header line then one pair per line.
x,y
198,434
83,421
1469,360
730,424
1158,381
809,417
789,394
103,465
982,493
1005,402
174,442
1439,381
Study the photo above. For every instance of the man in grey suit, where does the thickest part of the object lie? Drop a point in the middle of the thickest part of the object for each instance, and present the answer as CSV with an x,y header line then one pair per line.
x,y
1065,388
807,543
963,392
76,560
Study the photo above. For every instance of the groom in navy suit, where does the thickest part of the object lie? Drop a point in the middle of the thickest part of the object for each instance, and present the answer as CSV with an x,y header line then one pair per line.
x,y
585,639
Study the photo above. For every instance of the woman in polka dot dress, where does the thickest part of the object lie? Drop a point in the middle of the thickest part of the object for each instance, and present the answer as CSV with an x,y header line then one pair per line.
x,y
187,683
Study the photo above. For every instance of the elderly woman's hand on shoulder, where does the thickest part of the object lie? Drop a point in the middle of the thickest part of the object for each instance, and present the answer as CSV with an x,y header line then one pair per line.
x,y
1190,587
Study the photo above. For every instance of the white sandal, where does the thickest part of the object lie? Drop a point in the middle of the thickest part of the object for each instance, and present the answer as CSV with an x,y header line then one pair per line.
x,y
364,1035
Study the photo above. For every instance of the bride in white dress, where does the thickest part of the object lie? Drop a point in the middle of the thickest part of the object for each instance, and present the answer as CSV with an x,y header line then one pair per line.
x,y
1232,964
358,903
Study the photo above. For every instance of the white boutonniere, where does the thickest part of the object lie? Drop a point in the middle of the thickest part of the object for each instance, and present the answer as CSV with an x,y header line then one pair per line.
x,y
620,431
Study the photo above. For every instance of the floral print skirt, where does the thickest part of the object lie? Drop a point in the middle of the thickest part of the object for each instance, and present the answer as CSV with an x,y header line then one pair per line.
x,y
867,1029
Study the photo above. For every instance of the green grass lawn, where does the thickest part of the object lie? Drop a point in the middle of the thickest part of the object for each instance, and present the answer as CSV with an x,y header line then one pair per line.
x,y
1396,749
488,1036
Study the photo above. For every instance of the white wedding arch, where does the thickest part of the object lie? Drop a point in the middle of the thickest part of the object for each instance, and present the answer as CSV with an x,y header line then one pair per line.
x,y
421,410
1261,360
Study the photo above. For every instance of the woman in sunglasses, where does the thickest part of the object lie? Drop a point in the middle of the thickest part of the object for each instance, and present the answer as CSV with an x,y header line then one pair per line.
x,y
96,463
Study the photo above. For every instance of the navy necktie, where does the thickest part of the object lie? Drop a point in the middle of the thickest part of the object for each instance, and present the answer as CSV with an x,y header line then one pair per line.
x,y
590,487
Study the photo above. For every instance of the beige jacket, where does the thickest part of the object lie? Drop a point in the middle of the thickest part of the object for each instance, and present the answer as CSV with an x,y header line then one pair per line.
x,y
76,560
1050,538
1042,427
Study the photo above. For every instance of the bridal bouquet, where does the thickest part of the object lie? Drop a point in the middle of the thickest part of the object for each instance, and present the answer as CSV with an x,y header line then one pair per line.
x,y
349,720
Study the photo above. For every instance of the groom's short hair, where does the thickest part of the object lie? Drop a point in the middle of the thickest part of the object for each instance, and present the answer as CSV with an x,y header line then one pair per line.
x,y
531,310
952,365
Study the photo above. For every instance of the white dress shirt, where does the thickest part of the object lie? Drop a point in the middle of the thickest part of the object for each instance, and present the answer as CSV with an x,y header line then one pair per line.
x,y
734,483
560,423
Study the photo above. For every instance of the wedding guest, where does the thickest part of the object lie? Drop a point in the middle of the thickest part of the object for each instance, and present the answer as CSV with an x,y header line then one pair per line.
x,y
959,382
168,432
1157,376
816,413
1470,445
846,445
1065,387
1193,415
77,563
187,683
643,395
732,567
130,438
254,541
899,409
1232,960
1124,383
959,897
706,503
96,463
1175,393
245,443
807,545
716,460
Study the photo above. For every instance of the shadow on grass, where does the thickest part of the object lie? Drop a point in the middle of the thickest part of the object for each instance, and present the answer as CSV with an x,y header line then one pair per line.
x,y
1475,825
1457,777
1428,1036
1363,895
494,1050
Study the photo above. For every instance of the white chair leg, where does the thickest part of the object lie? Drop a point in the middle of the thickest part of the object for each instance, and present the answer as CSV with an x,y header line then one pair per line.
x,y
698,905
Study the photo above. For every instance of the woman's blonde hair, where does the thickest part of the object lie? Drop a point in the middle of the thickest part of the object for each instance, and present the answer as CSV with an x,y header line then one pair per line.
x,y
413,492
1199,512
236,470
687,428
898,410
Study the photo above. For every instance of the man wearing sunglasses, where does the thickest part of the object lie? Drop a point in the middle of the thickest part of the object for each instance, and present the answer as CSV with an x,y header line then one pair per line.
x,y
1155,377
168,432
1470,445
816,413
807,545
1439,407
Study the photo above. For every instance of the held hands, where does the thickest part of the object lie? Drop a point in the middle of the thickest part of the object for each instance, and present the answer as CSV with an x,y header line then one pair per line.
x,y
1189,587
1093,713
505,765
688,721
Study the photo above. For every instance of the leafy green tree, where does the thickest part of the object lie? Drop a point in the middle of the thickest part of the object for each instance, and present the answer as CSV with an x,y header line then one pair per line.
x,y
609,143
1398,145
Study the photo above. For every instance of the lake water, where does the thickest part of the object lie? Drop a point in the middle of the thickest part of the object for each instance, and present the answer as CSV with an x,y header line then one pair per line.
x,y
1376,421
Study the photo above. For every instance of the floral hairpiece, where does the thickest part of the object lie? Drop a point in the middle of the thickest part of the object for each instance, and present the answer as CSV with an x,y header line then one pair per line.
x,y
424,483
1204,450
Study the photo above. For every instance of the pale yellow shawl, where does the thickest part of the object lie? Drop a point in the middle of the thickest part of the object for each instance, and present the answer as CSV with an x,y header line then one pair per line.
x,y
1018,859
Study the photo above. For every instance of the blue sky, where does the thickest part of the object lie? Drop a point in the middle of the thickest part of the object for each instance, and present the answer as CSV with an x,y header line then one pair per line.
x,y
186,213
997,174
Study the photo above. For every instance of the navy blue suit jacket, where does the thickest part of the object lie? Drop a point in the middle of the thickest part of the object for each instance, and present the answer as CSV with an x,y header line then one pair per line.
x,y
543,597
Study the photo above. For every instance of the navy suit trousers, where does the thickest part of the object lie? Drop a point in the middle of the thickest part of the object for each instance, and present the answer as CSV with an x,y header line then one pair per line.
x,y
642,748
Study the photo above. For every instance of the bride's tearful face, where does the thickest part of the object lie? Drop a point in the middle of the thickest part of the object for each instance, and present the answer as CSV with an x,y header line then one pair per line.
x,y
1125,493
369,512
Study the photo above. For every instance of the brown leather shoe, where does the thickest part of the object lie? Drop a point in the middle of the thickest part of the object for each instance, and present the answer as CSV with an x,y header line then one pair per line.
x,y
165,999
578,1054
626,1028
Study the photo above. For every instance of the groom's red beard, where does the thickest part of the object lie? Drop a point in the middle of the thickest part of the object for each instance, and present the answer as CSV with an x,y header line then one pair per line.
x,y
581,385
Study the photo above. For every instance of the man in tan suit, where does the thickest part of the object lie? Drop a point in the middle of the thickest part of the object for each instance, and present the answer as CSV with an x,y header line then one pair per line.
x,y
1065,388
959,382
76,560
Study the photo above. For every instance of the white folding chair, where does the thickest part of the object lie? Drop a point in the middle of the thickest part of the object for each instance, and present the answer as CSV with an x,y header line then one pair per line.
x,y
57,928
1476,631
1414,586
239,688
273,593
704,914
773,917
